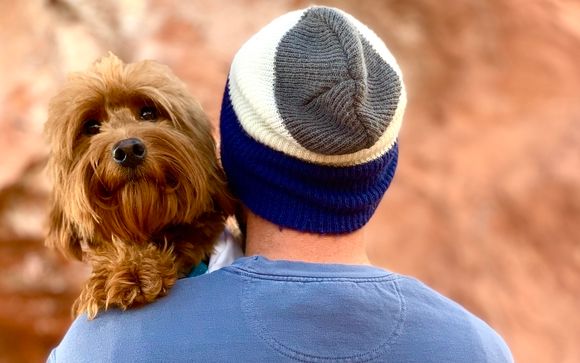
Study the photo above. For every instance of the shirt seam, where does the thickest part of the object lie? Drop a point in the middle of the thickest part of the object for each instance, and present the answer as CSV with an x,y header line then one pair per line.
x,y
296,355
299,278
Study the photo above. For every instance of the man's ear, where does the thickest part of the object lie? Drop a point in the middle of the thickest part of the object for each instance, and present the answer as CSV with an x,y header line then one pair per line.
x,y
61,234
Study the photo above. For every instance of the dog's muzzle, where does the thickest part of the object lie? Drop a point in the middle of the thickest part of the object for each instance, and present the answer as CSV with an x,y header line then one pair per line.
x,y
129,153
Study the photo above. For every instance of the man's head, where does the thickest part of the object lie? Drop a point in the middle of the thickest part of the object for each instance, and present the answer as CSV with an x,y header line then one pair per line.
x,y
309,122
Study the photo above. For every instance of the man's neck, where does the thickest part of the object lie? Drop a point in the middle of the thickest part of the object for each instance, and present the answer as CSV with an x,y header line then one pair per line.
x,y
271,241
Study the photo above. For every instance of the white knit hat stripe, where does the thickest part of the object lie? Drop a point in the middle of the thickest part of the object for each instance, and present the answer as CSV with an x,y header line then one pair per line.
x,y
251,83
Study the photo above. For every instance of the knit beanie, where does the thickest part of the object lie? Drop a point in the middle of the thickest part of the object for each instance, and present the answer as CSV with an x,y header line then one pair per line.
x,y
309,121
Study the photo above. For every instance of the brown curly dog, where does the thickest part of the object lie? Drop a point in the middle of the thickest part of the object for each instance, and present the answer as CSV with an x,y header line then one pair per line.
x,y
138,190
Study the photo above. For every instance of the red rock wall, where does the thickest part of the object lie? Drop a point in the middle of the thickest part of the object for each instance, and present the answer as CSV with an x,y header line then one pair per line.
x,y
485,206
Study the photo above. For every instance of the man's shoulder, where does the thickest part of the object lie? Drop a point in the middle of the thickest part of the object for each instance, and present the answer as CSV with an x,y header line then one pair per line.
x,y
439,325
189,297
190,313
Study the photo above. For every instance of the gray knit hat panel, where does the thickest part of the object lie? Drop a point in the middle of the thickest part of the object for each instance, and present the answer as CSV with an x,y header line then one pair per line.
x,y
335,94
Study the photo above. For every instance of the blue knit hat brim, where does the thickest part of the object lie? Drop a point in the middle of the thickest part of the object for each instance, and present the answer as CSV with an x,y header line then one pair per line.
x,y
296,194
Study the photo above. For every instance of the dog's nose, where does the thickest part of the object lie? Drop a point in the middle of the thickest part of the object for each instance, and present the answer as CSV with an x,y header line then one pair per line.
x,y
129,152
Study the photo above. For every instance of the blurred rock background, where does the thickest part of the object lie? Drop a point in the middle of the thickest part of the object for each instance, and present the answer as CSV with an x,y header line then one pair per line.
x,y
486,203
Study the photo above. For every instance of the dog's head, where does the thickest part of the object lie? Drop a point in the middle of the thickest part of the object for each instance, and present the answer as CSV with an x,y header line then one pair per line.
x,y
131,153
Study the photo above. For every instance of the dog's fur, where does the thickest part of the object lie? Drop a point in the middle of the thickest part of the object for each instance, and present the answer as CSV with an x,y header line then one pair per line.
x,y
139,228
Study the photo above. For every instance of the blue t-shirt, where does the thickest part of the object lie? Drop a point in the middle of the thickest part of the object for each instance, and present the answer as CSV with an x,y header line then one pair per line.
x,y
258,310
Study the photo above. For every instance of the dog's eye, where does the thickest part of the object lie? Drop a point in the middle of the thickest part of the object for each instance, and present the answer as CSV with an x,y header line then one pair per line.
x,y
148,113
91,127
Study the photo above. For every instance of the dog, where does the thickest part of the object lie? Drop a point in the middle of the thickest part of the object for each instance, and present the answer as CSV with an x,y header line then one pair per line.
x,y
139,193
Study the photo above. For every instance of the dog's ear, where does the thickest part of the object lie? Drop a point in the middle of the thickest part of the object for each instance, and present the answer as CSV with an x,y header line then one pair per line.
x,y
224,201
61,234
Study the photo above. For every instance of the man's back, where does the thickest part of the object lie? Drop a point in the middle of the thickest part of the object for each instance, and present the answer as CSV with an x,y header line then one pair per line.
x,y
259,310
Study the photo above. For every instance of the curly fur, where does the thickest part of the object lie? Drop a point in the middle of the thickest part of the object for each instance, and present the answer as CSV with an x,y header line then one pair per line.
x,y
139,228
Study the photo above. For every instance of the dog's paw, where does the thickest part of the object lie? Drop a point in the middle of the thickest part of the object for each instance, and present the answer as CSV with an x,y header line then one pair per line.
x,y
139,276
126,276
91,299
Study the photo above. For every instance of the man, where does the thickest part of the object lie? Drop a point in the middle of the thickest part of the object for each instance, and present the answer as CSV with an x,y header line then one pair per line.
x,y
309,125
